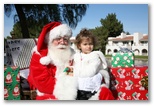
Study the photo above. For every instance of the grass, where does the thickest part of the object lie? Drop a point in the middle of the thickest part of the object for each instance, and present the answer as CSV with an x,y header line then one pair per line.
x,y
141,57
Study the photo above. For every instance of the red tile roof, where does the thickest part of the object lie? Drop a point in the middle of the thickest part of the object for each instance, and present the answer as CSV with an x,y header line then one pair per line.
x,y
145,38
128,38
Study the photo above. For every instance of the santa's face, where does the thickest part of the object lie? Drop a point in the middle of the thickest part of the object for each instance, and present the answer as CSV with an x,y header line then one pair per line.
x,y
61,42
5,91
59,51
16,89
8,77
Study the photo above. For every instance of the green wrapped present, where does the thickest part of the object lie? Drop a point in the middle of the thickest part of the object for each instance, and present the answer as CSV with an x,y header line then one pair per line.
x,y
121,59
11,83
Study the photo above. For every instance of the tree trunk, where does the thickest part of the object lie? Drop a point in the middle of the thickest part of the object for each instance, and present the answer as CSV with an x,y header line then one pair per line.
x,y
22,18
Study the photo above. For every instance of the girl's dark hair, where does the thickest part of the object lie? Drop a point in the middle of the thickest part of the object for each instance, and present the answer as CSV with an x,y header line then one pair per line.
x,y
84,34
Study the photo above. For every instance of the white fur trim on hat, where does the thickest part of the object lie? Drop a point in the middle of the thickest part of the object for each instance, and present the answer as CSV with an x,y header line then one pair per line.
x,y
59,31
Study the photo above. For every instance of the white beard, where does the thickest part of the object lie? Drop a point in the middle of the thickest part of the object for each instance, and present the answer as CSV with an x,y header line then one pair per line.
x,y
66,86
60,57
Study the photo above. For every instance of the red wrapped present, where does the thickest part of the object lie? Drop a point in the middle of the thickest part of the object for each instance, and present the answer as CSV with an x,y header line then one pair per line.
x,y
126,83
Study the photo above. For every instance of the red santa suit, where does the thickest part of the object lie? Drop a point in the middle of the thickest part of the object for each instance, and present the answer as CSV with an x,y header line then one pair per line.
x,y
18,77
48,77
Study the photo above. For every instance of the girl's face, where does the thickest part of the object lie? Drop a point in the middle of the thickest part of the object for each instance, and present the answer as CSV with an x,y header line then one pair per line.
x,y
86,46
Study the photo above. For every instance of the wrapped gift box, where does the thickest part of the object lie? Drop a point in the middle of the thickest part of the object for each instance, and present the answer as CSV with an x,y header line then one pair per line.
x,y
11,83
15,56
121,59
126,83
144,82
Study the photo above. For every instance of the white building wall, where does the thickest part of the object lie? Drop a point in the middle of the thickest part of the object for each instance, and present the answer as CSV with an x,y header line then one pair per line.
x,y
137,37
140,48
123,35
111,46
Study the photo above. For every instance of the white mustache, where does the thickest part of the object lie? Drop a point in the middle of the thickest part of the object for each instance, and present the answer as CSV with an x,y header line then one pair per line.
x,y
61,46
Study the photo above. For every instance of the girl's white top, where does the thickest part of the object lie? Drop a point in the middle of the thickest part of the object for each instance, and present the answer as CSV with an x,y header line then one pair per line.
x,y
88,65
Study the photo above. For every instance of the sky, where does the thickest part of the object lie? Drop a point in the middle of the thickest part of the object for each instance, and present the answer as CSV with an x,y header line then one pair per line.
x,y
134,17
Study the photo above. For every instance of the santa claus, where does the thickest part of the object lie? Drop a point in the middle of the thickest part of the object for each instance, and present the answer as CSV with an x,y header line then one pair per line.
x,y
16,91
6,94
50,58
8,79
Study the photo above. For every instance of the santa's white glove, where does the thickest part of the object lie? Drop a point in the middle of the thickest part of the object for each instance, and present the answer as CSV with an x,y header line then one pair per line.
x,y
91,83
45,60
97,79
86,84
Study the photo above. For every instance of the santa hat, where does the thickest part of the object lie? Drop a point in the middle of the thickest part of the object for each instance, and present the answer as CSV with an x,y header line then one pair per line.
x,y
50,32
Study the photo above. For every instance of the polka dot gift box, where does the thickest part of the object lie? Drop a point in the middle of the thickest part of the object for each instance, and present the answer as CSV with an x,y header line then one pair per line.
x,y
121,59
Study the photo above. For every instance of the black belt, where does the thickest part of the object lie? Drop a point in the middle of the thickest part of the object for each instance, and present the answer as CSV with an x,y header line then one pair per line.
x,y
84,95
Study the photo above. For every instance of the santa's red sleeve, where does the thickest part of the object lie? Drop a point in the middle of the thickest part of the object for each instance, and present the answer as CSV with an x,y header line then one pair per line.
x,y
105,94
41,77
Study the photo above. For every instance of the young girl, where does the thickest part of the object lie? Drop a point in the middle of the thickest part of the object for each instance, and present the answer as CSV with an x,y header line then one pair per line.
x,y
89,67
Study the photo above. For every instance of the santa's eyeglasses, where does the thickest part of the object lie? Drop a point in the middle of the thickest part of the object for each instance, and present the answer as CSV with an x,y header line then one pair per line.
x,y
66,39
